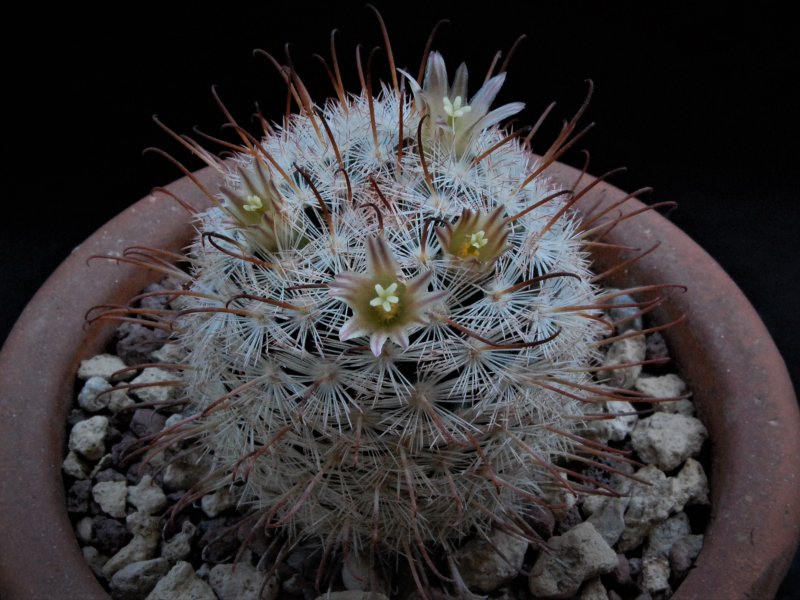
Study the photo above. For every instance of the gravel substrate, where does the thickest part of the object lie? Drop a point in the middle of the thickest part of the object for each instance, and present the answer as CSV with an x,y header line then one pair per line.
x,y
638,545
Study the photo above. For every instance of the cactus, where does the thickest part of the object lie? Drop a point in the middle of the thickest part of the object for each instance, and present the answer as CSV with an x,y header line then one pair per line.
x,y
389,321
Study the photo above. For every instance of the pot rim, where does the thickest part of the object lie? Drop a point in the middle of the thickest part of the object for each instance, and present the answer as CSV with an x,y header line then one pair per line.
x,y
751,414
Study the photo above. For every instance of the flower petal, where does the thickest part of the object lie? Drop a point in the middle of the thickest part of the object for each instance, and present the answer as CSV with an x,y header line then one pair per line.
x,y
380,261
353,328
498,114
459,87
481,101
399,337
377,341
435,83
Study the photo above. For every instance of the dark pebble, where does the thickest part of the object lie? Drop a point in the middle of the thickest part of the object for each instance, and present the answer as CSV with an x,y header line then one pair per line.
x,y
78,496
136,342
108,475
136,471
219,539
305,560
157,302
109,535
257,540
655,347
542,521
171,527
121,421
681,558
120,449
634,567
146,422
175,497
293,585
113,435
570,519
622,574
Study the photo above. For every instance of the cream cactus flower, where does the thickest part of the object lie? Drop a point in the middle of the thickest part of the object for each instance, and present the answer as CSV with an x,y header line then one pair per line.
x,y
453,121
383,307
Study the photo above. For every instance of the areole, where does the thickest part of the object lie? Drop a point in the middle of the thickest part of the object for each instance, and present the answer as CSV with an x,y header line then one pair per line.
x,y
741,388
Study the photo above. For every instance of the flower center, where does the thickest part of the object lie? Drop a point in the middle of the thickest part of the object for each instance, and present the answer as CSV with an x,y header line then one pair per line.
x,y
454,109
386,300
473,243
254,204
477,239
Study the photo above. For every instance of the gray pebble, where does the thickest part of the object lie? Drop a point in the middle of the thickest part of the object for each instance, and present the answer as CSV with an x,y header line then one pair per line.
x,y
623,352
75,466
655,574
487,564
143,546
111,496
203,571
242,582
666,386
147,497
632,321
169,353
594,590
649,504
91,396
154,393
690,485
683,554
185,470
94,559
607,515
579,554
137,579
666,440
664,535
180,546
84,530
119,400
103,365
217,502
88,437
181,583
618,428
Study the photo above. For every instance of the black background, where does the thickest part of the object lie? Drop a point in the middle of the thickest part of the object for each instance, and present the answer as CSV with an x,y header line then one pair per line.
x,y
700,103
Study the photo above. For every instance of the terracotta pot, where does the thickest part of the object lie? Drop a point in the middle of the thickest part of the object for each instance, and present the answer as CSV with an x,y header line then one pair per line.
x,y
739,380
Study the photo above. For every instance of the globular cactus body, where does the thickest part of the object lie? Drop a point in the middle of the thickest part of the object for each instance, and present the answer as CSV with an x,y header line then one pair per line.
x,y
390,325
